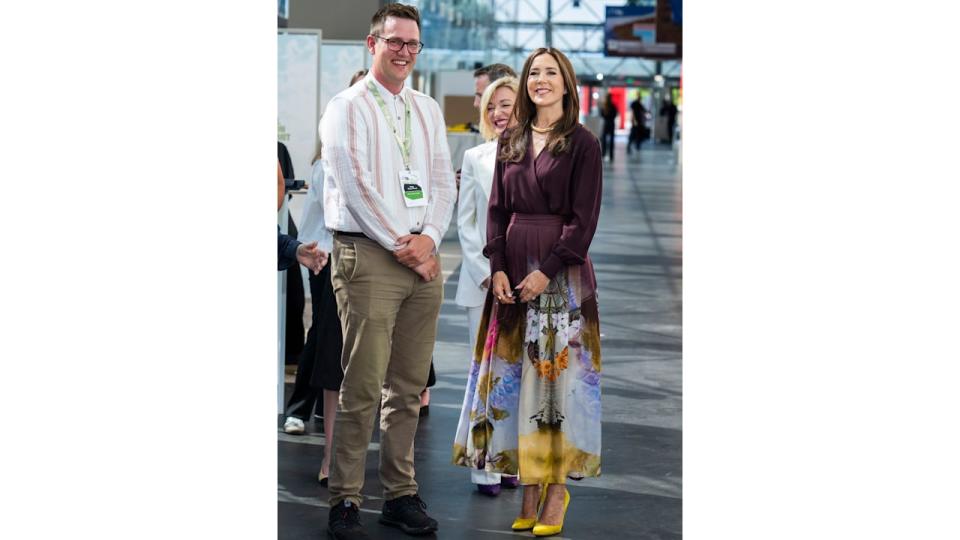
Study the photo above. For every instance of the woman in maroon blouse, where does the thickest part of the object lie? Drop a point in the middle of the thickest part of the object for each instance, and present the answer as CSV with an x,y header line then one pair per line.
x,y
533,394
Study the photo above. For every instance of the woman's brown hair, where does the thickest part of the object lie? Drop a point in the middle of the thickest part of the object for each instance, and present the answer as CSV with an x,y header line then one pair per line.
x,y
558,140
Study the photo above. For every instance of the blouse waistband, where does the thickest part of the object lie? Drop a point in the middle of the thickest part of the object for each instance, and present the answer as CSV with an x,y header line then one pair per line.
x,y
546,219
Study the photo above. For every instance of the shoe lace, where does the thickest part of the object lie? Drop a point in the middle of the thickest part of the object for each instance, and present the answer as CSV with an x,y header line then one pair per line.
x,y
415,501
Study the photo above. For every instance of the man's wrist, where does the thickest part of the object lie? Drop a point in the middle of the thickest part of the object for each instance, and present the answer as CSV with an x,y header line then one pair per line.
x,y
432,233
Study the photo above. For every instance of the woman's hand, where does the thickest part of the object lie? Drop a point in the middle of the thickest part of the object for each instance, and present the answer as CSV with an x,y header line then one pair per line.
x,y
532,285
501,288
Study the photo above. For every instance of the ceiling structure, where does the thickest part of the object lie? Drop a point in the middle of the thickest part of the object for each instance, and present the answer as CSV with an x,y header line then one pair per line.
x,y
461,33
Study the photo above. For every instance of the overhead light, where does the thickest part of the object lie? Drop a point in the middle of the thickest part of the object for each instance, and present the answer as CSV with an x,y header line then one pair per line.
x,y
599,76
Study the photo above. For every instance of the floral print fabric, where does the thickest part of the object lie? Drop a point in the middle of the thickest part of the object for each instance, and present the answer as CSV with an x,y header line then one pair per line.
x,y
532,402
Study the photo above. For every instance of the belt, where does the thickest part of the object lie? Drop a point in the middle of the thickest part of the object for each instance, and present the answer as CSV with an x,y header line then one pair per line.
x,y
346,233
360,234
543,219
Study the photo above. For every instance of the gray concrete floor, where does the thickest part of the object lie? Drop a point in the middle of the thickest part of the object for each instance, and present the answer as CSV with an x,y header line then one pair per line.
x,y
637,256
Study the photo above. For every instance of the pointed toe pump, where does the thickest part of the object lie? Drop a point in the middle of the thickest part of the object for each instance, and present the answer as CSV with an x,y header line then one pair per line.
x,y
541,529
525,524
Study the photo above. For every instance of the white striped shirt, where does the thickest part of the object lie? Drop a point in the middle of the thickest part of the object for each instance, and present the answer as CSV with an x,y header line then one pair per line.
x,y
362,164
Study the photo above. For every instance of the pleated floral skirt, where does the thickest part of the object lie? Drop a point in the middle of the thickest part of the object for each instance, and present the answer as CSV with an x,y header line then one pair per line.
x,y
532,402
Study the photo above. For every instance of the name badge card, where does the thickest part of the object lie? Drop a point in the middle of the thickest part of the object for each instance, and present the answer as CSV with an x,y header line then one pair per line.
x,y
413,194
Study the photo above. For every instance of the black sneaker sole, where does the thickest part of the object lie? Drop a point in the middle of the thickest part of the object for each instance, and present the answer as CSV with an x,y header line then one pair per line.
x,y
331,534
407,529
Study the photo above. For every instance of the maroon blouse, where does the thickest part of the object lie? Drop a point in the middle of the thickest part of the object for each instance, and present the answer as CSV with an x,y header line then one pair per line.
x,y
568,185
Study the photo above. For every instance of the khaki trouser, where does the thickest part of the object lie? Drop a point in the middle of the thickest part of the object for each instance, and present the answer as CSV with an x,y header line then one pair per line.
x,y
389,319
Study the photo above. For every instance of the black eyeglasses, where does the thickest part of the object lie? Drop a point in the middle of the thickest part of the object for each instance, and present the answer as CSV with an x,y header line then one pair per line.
x,y
394,44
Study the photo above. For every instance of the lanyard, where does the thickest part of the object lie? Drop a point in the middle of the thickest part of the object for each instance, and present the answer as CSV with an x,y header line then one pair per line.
x,y
404,143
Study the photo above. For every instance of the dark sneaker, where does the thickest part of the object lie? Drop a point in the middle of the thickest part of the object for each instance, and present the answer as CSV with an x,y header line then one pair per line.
x,y
407,514
344,523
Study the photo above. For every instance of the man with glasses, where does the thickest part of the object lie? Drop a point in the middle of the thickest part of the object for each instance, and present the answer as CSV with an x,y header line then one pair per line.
x,y
389,198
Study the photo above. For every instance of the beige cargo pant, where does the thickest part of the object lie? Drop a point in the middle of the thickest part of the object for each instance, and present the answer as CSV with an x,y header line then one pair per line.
x,y
389,320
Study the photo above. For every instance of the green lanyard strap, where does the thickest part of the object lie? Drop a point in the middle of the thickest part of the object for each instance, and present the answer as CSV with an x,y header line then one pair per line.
x,y
407,140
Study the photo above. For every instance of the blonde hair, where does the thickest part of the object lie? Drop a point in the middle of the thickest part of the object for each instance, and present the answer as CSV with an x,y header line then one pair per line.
x,y
486,128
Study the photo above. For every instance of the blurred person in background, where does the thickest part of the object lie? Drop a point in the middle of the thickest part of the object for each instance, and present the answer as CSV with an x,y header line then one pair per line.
x,y
319,372
608,111
496,115
535,406
669,110
290,251
295,298
638,131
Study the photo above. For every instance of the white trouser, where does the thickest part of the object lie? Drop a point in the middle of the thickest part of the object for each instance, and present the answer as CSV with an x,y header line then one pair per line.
x,y
473,325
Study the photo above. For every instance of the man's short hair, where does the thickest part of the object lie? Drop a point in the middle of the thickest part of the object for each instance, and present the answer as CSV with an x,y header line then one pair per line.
x,y
495,71
401,11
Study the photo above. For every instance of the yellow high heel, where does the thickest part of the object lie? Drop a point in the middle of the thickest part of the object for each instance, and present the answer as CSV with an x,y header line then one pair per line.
x,y
541,529
525,524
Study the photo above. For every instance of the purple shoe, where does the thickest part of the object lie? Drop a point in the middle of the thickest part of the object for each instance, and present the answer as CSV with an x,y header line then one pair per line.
x,y
510,482
490,490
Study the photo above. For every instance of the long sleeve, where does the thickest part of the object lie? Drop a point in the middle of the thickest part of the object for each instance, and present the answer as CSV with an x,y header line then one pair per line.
x,y
586,188
312,226
475,266
286,250
346,143
443,188
498,218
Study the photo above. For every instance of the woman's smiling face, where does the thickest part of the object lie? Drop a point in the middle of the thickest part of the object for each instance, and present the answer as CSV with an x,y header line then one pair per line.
x,y
545,82
500,109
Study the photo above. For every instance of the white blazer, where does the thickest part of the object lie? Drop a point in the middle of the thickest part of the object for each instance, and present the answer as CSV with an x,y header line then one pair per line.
x,y
476,179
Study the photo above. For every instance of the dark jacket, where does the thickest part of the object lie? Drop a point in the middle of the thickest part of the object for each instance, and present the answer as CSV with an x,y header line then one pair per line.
x,y
286,250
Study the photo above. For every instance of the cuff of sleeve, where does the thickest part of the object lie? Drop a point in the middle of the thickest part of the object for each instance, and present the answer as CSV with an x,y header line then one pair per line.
x,y
497,263
434,234
292,250
551,266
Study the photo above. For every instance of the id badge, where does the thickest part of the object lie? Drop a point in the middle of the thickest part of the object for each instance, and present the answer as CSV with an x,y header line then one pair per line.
x,y
413,194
